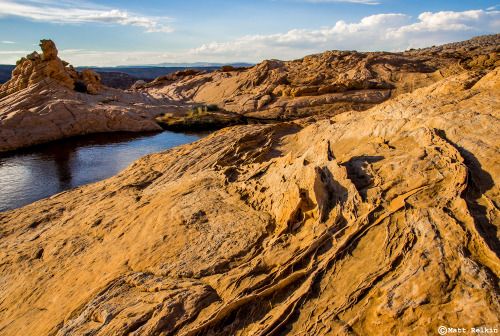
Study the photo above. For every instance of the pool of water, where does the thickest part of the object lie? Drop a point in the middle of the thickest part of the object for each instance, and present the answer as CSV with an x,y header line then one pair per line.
x,y
41,171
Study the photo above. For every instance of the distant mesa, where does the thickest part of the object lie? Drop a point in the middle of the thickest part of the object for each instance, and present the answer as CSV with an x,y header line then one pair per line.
x,y
48,69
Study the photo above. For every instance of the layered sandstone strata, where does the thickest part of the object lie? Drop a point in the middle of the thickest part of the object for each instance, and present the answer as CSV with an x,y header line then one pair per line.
x,y
380,222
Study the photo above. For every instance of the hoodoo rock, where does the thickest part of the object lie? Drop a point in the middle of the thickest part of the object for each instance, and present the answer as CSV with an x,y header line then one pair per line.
x,y
380,222
49,70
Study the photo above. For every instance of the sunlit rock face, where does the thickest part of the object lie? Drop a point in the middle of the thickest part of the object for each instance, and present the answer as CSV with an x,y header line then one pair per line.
x,y
47,100
49,69
378,222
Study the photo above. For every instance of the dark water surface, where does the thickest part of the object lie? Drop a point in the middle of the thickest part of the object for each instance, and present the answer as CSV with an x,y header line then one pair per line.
x,y
38,172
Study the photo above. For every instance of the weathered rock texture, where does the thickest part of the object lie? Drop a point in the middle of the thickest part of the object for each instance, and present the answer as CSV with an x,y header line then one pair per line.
x,y
383,222
485,44
47,100
328,83
49,69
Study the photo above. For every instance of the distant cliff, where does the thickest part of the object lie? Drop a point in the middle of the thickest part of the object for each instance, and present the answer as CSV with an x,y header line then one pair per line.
x,y
6,72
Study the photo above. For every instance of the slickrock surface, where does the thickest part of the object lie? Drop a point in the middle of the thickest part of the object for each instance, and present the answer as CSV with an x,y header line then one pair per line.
x,y
41,113
46,99
382,222
331,82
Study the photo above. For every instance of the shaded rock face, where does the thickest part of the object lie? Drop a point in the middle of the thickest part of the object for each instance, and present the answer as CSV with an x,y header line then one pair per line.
x,y
49,70
118,80
188,73
378,222
328,83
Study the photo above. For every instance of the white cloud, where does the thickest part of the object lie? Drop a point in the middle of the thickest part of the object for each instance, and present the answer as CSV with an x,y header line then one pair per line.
x,y
12,56
8,42
376,32
73,12
390,32
114,58
444,27
70,51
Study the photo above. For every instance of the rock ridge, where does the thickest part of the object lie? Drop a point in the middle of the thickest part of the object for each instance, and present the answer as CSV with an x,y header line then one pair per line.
x,y
331,82
46,99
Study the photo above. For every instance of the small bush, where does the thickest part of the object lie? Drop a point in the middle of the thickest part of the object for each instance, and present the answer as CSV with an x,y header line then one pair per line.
x,y
197,111
165,118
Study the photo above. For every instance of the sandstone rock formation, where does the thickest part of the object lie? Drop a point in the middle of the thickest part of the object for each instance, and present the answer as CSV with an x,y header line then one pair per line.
x,y
40,104
42,113
47,100
49,70
382,222
485,44
328,83
188,73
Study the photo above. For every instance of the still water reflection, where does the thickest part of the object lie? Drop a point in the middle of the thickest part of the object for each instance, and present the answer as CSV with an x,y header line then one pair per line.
x,y
42,171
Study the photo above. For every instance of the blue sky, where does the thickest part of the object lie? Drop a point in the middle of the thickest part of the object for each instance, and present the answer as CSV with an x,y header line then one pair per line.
x,y
110,33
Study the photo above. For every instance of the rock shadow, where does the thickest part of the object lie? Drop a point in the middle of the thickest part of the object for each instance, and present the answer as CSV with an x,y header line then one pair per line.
x,y
358,174
479,182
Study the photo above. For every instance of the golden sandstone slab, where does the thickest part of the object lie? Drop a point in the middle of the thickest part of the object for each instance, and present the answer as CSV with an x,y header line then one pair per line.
x,y
379,222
